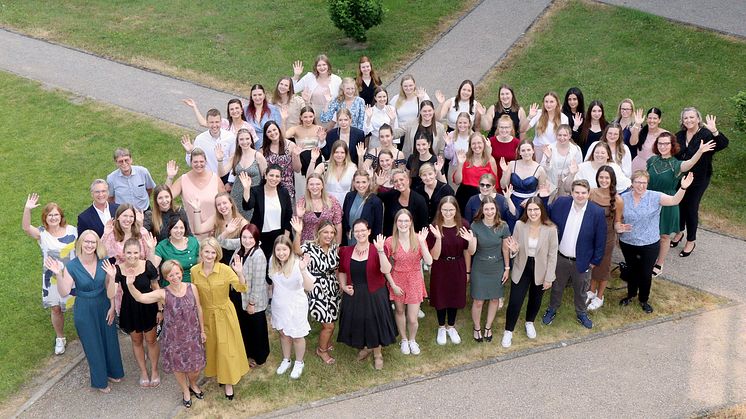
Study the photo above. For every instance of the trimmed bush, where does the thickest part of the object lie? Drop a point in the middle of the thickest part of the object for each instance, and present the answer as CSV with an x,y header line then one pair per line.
x,y
739,100
355,17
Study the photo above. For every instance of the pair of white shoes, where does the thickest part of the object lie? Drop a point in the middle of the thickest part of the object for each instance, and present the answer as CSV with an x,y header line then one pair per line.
x,y
451,332
410,347
594,303
297,368
508,335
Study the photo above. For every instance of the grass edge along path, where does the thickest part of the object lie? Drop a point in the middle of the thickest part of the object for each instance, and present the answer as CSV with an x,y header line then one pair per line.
x,y
620,55
262,391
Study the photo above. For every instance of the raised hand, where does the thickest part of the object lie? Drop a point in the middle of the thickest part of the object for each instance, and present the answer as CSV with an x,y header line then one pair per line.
x,y
130,279
328,97
422,235
237,264
420,93
219,154
687,181
315,153
321,133
507,192
149,240
533,110
233,225
480,108
573,167
189,102
186,142
577,120
710,123
639,119
53,265
306,95
283,111
440,161
360,150
379,242
449,138
110,269
512,244
245,179
461,156
194,202
708,146
297,224
172,169
300,208
466,234
440,97
435,231
304,262
368,112
548,153
32,201
297,68
504,165
391,112
543,189
108,227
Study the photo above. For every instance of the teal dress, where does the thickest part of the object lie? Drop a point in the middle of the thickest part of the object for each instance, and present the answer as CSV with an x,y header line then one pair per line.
x,y
187,257
664,177
487,264
99,339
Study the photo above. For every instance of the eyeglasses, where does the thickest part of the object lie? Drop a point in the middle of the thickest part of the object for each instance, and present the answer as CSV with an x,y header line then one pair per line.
x,y
533,210
664,144
448,210
485,185
640,182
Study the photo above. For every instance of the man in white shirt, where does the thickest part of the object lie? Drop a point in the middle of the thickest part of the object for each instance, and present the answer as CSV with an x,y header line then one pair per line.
x,y
100,212
581,226
209,141
129,184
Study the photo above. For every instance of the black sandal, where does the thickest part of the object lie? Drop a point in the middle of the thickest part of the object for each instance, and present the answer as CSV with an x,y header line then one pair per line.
x,y
657,270
200,395
186,403
478,335
675,243
488,338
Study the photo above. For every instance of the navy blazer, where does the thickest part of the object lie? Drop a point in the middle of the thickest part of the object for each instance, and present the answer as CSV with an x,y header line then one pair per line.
x,y
89,220
356,136
591,242
372,212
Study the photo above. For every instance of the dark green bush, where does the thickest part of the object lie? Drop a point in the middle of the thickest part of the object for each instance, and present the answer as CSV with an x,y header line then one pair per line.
x,y
739,100
355,17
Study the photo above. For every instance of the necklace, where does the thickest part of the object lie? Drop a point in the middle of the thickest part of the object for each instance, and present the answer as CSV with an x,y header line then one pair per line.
x,y
359,252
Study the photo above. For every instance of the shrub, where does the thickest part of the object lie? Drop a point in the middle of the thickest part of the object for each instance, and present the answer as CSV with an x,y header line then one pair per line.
x,y
355,17
739,100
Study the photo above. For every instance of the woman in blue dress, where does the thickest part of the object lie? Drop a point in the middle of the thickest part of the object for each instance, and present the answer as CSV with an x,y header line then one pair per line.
x,y
93,276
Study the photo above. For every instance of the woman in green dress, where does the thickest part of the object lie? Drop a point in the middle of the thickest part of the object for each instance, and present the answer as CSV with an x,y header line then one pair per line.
x,y
665,173
489,266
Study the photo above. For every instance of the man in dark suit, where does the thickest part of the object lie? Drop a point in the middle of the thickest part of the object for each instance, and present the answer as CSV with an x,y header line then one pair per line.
x,y
100,212
581,227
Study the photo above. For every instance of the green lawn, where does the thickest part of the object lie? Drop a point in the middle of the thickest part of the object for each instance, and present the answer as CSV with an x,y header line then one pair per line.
x,y
232,44
612,53
56,148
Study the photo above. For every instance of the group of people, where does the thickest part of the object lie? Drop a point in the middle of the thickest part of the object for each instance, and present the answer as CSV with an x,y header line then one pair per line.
x,y
394,187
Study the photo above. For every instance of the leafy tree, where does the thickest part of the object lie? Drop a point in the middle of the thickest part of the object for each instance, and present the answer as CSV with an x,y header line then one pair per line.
x,y
355,17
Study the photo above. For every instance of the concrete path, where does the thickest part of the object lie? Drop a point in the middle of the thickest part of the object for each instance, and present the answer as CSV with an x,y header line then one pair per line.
x,y
669,369
727,16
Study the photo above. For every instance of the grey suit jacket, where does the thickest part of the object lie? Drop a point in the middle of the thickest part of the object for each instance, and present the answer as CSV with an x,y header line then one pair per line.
x,y
545,260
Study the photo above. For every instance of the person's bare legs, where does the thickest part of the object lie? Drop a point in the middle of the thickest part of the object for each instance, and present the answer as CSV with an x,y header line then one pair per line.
x,y
139,351
58,321
401,319
412,320
181,378
476,317
663,252
299,344
492,308
154,353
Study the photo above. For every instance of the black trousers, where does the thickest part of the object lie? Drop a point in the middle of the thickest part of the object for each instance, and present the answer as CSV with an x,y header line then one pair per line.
x,y
640,260
689,208
254,330
525,285
451,312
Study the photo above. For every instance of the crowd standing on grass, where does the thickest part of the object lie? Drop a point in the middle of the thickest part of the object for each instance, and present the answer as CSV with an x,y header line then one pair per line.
x,y
396,185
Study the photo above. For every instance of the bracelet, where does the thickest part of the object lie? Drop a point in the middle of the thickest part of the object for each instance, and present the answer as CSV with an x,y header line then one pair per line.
x,y
252,304
682,188
468,272
196,212
507,268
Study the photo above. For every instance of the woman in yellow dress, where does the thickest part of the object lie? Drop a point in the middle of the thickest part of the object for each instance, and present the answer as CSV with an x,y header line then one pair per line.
x,y
226,356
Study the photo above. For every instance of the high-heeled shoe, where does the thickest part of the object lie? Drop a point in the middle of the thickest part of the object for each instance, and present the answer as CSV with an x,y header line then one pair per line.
x,y
186,403
200,395
684,254
488,338
478,335
675,243
229,396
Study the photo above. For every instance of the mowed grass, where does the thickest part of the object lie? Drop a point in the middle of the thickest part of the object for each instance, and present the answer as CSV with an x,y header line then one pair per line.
x,y
262,390
612,53
231,44
56,148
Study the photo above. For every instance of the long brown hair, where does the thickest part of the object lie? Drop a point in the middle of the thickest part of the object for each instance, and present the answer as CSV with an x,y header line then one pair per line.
x,y
544,215
480,212
438,221
134,230
413,243
373,75
156,216
220,219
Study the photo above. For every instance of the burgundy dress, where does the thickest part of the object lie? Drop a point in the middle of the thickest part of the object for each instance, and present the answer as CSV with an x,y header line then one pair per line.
x,y
181,346
448,273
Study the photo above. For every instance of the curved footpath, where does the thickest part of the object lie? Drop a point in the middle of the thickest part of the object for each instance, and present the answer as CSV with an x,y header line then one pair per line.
x,y
674,368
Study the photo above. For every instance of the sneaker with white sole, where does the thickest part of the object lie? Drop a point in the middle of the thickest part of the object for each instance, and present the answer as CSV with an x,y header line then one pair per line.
x,y
420,314
59,346
507,339
414,348
453,335
589,296
297,370
284,365
441,336
596,303
530,330
405,347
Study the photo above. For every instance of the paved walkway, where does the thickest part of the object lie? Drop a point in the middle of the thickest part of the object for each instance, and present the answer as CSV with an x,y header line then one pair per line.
x,y
669,369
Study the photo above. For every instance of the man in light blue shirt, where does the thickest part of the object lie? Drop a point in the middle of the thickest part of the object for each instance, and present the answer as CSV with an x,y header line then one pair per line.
x,y
129,184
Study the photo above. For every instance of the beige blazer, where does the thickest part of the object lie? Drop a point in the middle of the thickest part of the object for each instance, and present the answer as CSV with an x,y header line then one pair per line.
x,y
545,260
410,131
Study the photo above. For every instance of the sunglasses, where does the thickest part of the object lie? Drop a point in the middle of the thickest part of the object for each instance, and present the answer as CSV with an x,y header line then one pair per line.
x,y
485,185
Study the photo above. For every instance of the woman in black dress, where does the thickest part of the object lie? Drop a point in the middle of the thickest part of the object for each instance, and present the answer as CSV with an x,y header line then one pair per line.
x,y
433,188
365,320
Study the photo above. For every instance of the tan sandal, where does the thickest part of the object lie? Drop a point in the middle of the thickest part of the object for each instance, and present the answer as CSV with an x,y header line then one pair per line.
x,y
322,353
378,362
364,354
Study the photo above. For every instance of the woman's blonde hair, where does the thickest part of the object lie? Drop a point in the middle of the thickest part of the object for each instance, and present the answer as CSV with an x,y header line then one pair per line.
x,y
100,248
220,220
485,158
332,164
169,266
345,81
212,242
326,202
403,96
414,244
286,268
541,126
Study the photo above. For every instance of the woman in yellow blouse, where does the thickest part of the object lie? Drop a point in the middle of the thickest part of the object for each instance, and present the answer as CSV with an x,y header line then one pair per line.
x,y
226,356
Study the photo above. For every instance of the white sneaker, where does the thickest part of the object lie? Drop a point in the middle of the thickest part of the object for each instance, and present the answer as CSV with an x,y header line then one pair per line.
x,y
297,370
530,330
596,303
284,365
589,296
441,338
405,347
414,347
453,335
59,346
507,339
420,314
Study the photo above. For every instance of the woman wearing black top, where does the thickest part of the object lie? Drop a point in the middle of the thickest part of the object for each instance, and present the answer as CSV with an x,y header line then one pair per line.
x,y
574,106
423,154
361,203
402,197
367,80
433,188
157,219
507,105
591,127
272,206
691,135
